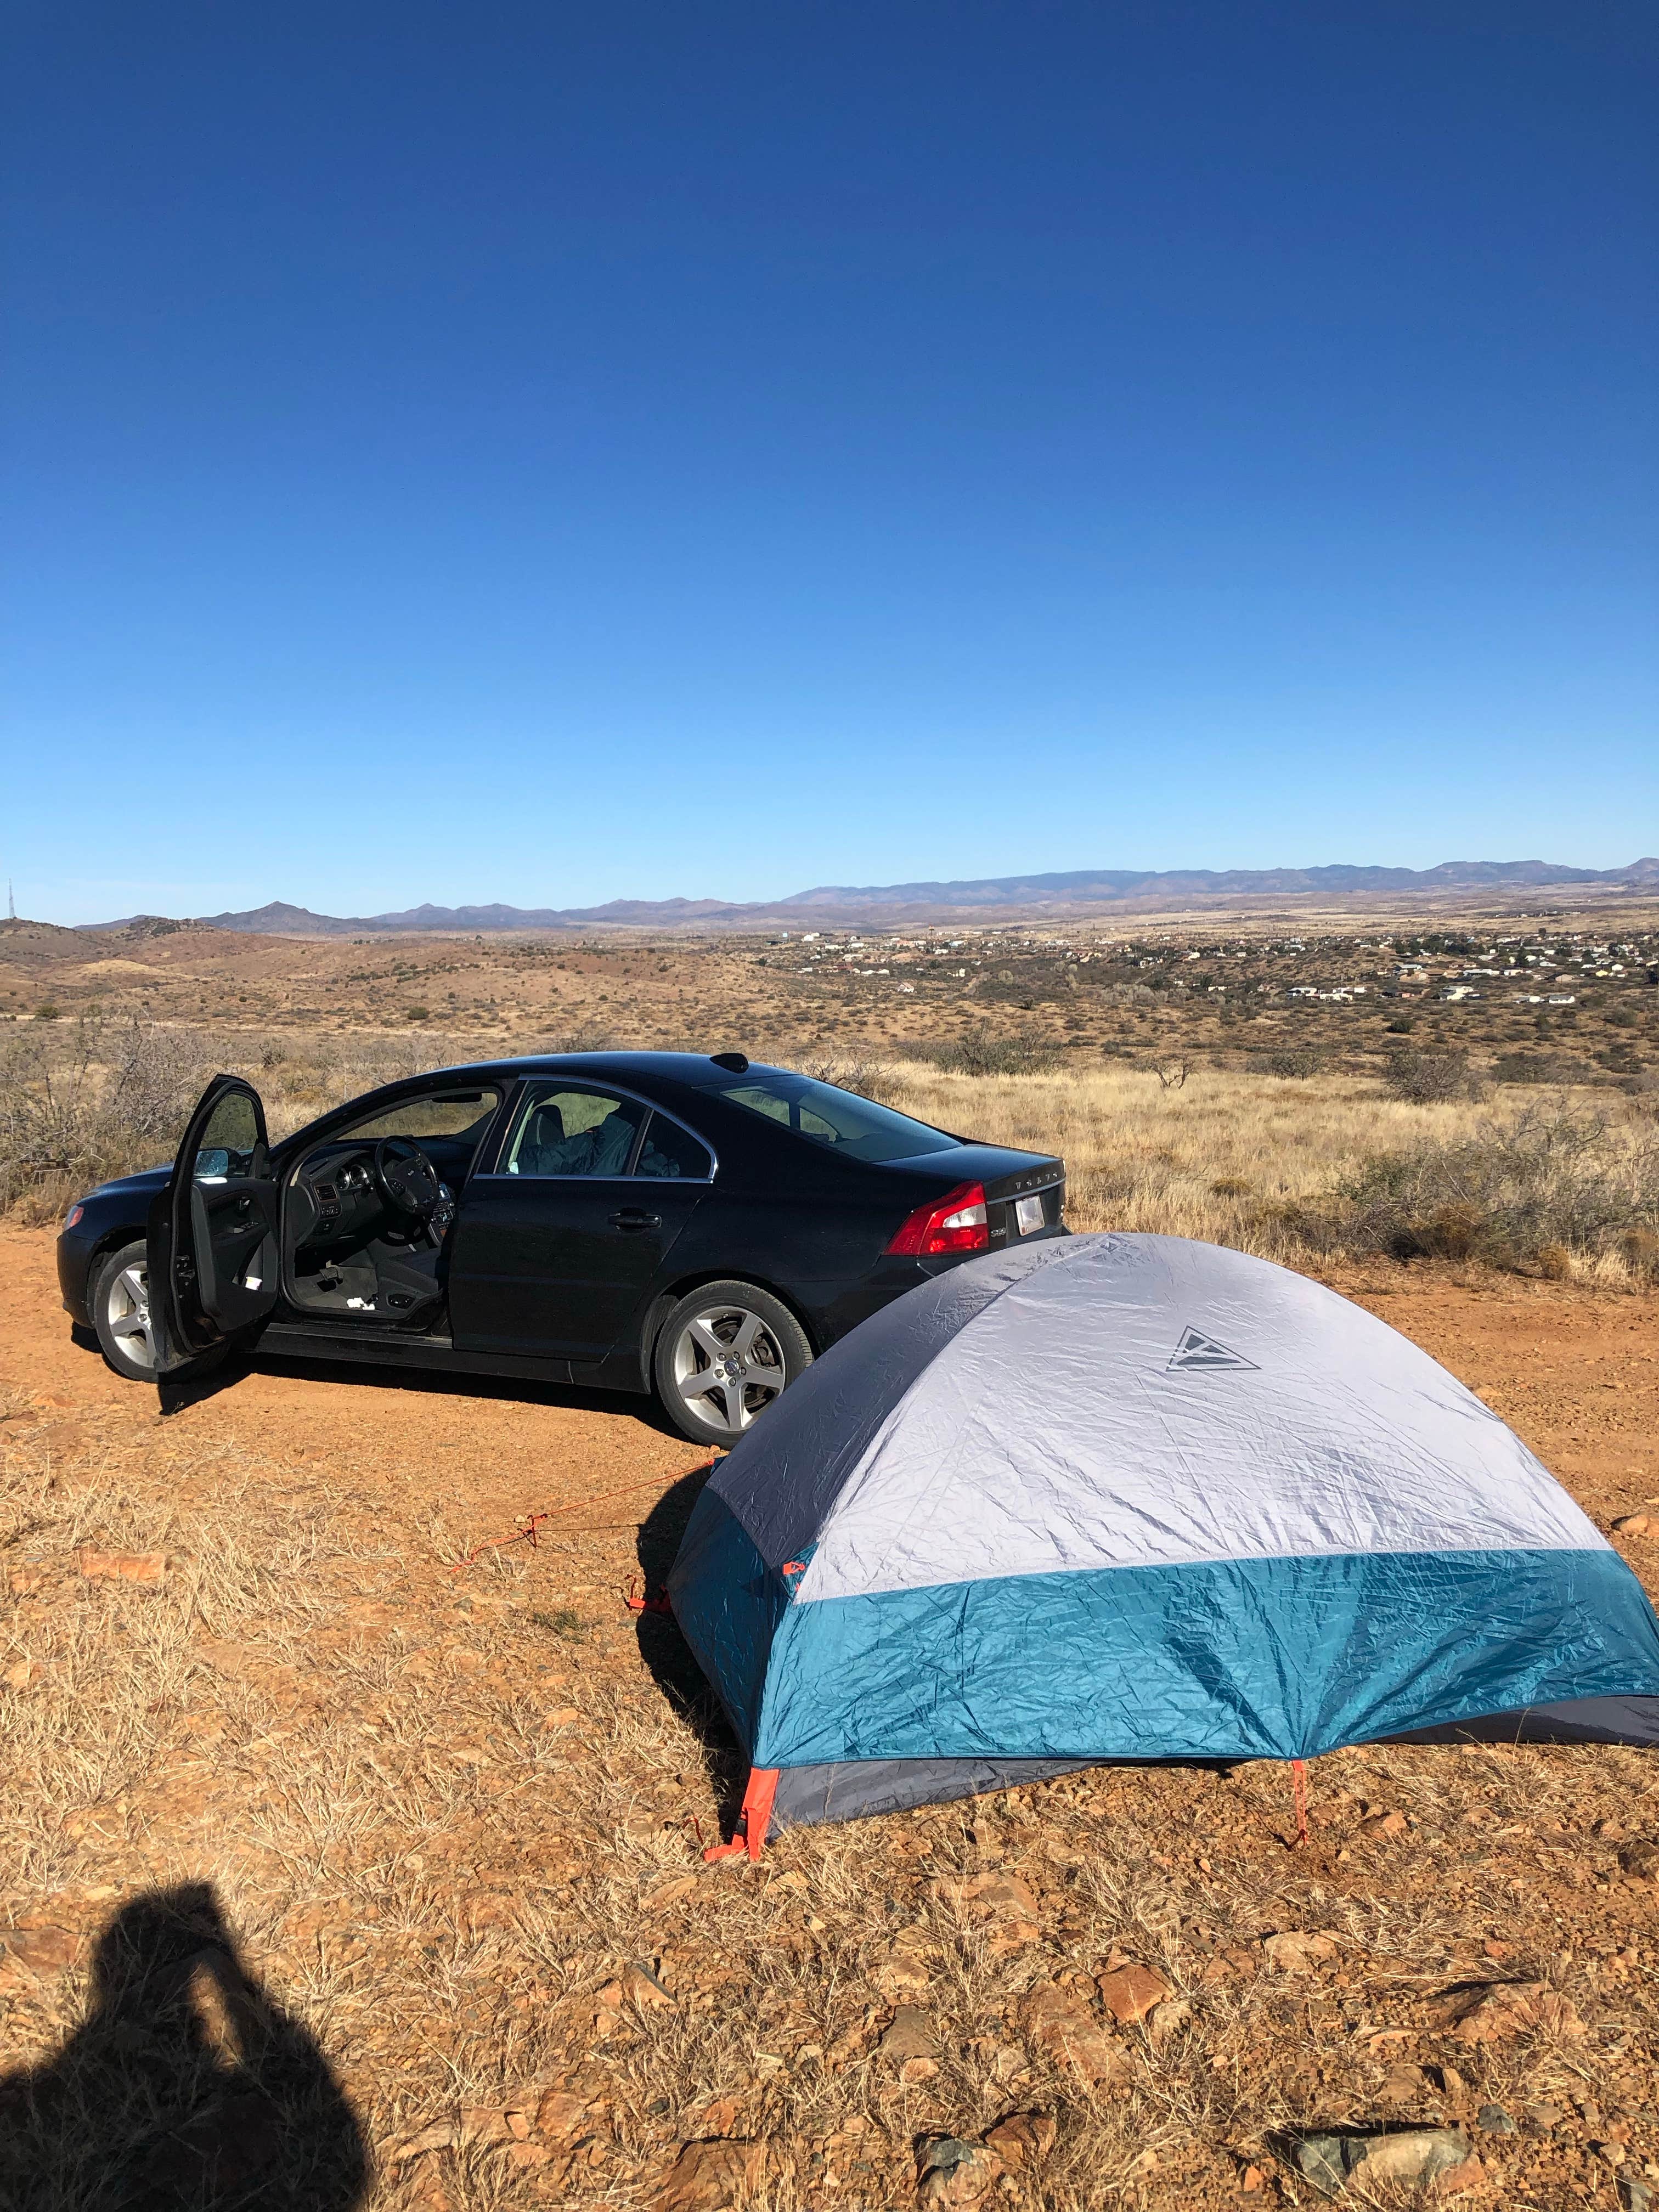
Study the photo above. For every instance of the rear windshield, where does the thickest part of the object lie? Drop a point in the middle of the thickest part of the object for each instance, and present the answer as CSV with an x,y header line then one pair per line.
x,y
857,1126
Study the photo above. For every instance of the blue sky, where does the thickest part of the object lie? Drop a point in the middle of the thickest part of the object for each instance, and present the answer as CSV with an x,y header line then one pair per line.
x,y
548,453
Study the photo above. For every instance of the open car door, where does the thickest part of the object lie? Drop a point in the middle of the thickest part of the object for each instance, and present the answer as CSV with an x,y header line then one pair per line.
x,y
214,1257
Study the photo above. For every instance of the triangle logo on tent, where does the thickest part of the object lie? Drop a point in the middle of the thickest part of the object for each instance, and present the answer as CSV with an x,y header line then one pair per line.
x,y
1197,1350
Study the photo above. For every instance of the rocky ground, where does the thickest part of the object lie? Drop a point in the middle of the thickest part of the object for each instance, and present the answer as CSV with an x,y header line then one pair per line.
x,y
335,1869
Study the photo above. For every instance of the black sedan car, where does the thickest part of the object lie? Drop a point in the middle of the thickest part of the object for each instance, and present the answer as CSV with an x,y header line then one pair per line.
x,y
630,1221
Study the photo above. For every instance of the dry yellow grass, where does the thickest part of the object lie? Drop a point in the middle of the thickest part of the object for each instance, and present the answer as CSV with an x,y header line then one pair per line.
x,y
386,1838
1269,1163
1253,1161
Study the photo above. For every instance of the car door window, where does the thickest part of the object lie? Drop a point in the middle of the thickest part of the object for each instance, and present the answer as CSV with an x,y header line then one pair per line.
x,y
670,1151
565,1130
447,1113
229,1140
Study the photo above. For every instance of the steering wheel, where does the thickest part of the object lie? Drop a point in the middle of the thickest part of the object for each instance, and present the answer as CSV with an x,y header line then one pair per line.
x,y
405,1178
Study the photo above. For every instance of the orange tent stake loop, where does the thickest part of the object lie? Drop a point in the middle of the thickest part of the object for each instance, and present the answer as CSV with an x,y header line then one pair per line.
x,y
753,1820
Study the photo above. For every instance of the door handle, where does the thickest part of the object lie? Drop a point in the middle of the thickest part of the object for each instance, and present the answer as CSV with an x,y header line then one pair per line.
x,y
636,1218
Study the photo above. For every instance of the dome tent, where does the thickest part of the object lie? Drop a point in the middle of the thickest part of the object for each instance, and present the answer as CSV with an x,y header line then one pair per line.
x,y
1120,1497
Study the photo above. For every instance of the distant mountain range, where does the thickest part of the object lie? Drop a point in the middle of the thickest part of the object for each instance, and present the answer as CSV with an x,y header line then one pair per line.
x,y
979,898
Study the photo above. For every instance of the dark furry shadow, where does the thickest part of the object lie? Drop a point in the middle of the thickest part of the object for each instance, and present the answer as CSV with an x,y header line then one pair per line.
x,y
185,2086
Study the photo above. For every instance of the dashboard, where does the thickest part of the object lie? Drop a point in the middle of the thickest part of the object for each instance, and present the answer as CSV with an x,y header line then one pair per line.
x,y
335,1200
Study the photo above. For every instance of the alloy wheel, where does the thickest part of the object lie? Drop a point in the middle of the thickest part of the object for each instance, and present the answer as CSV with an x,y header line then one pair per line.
x,y
126,1307
728,1367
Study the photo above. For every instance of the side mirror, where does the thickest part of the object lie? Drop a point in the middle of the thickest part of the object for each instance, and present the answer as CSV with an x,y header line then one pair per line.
x,y
212,1164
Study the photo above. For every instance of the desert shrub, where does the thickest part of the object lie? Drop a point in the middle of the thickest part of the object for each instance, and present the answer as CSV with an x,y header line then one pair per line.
x,y
1429,1078
1015,1052
1298,1061
81,1103
1553,1185
79,1106
870,1078
1552,1067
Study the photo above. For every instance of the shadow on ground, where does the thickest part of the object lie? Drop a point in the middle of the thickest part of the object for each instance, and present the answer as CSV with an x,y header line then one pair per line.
x,y
194,1387
185,2086
667,1656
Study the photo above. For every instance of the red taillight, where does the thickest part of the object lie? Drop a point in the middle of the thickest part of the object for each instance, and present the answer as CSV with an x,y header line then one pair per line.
x,y
954,1222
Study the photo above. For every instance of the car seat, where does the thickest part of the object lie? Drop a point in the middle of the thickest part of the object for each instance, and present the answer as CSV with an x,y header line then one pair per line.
x,y
543,1132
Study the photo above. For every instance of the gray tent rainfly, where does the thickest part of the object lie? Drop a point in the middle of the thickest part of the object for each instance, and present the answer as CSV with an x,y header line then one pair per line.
x,y
1135,1497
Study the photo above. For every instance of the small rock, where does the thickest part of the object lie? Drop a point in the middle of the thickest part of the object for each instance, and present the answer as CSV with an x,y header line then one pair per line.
x,y
438,2136
641,1987
1321,2160
484,2124
1168,2018
1385,1824
1494,2120
913,2071
673,1893
1002,1903
1455,2180
1414,2158
1131,1993
1402,2085
1295,1953
909,2035
1632,1524
1544,2116
123,1566
1636,2195
1064,2027
1640,1860
529,2155
1493,2011
1251,2179
42,1950
1023,2141
955,2173
711,2177
718,2118
988,1896
901,1971
559,2116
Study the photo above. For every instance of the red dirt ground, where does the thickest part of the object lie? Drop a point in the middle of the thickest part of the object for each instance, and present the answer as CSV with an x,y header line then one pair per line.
x,y
417,1471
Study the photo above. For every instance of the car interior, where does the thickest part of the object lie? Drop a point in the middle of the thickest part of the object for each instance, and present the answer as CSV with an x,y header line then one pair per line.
x,y
367,1213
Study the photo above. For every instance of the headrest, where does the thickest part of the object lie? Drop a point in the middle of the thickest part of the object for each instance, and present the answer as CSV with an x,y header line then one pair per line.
x,y
546,1126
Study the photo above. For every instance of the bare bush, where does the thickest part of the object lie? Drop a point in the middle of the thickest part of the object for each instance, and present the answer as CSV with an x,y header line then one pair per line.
x,y
867,1078
1557,1184
1299,1061
1015,1052
1431,1077
78,1106
1553,1068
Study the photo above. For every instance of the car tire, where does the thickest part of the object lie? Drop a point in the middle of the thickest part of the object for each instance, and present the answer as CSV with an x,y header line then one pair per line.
x,y
120,1318
747,1343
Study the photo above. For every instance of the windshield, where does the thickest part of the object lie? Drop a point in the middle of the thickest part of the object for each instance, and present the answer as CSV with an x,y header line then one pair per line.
x,y
854,1126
